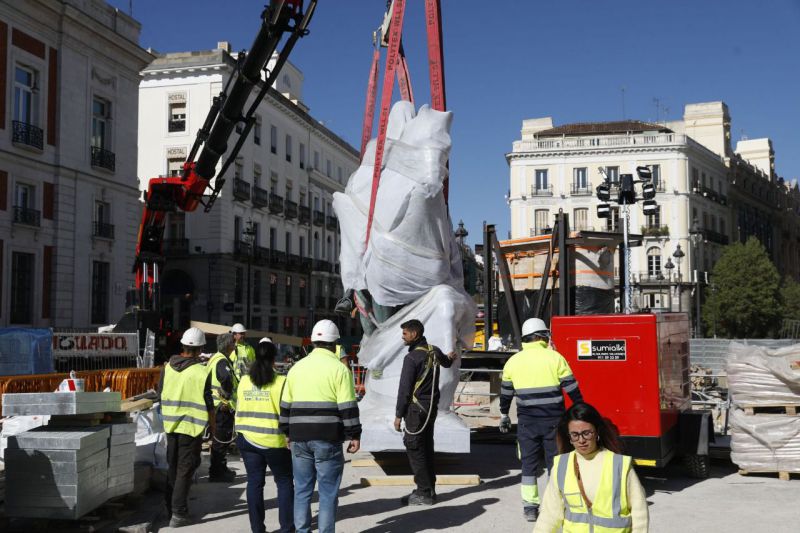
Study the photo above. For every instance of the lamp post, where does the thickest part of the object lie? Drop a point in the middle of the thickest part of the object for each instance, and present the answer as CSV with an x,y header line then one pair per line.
x,y
669,266
249,234
696,237
660,278
678,255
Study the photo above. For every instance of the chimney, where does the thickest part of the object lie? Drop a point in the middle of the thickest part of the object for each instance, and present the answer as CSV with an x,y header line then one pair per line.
x,y
224,46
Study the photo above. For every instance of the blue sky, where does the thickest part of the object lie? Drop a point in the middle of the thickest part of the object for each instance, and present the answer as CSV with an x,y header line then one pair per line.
x,y
506,61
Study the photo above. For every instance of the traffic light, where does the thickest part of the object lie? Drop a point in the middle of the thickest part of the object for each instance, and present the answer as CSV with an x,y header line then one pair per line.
x,y
645,173
649,207
603,211
603,192
648,191
627,193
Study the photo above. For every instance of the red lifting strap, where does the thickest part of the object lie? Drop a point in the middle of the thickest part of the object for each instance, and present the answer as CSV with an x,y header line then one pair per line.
x,y
404,78
433,23
369,110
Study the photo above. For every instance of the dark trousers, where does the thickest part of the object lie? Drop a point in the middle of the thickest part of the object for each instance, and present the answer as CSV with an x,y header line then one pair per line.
x,y
420,448
535,436
223,430
279,460
183,456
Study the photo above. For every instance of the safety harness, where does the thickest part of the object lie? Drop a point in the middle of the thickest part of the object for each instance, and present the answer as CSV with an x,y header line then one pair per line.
x,y
431,365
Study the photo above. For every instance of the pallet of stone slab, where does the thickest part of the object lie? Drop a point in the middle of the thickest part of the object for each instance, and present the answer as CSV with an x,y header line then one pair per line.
x,y
759,376
765,442
43,438
60,403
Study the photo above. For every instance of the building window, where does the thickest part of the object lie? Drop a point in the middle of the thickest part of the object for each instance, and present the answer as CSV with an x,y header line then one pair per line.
x,y
654,220
302,246
238,169
102,220
316,160
289,148
257,131
101,116
273,183
273,289
695,178
301,156
540,183
302,291
329,246
174,167
612,223
25,89
656,170
541,220
653,262
176,225
580,179
613,174
22,272
328,167
339,174
101,282
273,139
256,287
177,117
238,284
316,245
288,242
25,196
289,188
582,218
257,175
288,294
273,239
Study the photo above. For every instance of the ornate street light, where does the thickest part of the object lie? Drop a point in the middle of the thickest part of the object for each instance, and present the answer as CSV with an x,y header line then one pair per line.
x,y
678,255
669,266
696,237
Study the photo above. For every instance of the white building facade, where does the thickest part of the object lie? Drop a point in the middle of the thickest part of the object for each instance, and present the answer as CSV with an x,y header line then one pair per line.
x,y
557,167
267,253
69,77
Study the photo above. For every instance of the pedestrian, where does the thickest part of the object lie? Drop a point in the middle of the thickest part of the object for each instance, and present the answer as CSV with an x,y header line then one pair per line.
x,y
186,408
318,412
417,403
260,441
223,390
593,486
244,354
538,376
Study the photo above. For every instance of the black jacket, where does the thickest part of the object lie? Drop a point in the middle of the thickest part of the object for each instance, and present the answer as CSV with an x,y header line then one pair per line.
x,y
413,368
179,364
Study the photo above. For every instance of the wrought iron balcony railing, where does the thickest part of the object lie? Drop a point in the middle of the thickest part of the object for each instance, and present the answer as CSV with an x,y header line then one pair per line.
x,y
304,214
275,203
241,189
27,134
27,216
319,218
260,197
103,229
102,158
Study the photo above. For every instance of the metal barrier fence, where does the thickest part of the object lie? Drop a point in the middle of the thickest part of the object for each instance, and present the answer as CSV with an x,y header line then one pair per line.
x,y
711,353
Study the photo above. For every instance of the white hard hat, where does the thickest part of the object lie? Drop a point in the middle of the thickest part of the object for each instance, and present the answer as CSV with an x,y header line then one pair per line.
x,y
265,339
193,337
535,326
325,331
238,328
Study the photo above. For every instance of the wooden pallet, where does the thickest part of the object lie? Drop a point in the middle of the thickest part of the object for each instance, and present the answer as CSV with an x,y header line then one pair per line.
x,y
788,409
782,475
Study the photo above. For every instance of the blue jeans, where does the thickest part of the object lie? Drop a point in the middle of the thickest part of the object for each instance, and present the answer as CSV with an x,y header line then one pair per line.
x,y
279,461
323,462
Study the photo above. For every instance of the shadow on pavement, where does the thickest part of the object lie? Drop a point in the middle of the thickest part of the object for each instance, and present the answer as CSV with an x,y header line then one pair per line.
x,y
675,477
436,517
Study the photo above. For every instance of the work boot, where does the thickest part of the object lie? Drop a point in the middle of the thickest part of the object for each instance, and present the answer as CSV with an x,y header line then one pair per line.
x,y
222,476
179,521
419,498
531,513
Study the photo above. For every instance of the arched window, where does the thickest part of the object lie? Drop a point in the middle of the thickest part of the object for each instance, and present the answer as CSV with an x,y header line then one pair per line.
x,y
653,262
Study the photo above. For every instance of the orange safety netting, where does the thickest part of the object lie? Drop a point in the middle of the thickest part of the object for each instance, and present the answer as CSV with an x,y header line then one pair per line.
x,y
127,381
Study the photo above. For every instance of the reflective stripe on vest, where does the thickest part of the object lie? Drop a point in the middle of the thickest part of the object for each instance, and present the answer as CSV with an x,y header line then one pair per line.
x,y
610,510
183,406
258,412
216,386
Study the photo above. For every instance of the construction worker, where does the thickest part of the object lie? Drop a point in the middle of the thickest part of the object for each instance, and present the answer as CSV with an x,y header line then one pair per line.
x,y
243,355
223,389
318,412
417,403
537,375
186,408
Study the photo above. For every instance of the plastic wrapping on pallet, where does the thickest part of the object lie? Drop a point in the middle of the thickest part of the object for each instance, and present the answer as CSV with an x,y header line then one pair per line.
x,y
593,301
765,442
412,261
762,377
25,351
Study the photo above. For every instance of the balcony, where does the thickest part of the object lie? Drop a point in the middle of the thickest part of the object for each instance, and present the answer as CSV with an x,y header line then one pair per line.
x,y
331,223
321,266
293,262
319,218
176,246
655,230
303,214
261,255
241,248
648,276
290,209
545,190
27,134
241,189
102,158
176,126
27,216
716,237
103,230
260,197
277,258
275,203
580,190
547,230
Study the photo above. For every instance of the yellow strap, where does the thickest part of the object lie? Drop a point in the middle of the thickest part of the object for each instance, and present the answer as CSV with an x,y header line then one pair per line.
x,y
429,362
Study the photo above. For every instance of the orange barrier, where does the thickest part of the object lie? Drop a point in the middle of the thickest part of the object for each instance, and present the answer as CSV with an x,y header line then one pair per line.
x,y
127,381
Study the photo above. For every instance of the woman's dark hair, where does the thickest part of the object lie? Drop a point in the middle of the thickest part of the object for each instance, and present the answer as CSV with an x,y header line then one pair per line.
x,y
606,432
261,371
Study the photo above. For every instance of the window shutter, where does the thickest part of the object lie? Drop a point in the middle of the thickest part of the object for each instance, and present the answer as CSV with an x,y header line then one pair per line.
x,y
48,199
47,280
3,190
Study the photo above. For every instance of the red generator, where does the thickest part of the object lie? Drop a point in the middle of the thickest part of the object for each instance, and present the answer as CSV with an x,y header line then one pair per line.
x,y
635,370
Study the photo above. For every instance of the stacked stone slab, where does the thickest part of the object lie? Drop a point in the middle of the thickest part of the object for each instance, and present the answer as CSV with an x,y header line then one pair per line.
x,y
59,471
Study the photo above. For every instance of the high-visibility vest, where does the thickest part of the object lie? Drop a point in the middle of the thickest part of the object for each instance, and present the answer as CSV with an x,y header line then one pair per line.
x,y
610,512
241,359
183,406
258,412
216,386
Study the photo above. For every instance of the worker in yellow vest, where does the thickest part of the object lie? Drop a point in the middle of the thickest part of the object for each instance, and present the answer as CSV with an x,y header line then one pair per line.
x,y
244,354
592,486
260,441
223,390
538,376
186,408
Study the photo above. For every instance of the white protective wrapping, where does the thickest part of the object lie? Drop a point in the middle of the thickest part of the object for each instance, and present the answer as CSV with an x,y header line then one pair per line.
x,y
767,443
412,261
763,377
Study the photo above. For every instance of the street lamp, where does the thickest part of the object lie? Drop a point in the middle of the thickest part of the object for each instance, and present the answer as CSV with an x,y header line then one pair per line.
x,y
660,278
696,237
678,255
249,235
669,266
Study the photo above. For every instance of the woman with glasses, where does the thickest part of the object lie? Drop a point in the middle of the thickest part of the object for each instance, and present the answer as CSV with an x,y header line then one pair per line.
x,y
592,487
